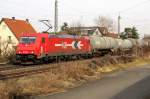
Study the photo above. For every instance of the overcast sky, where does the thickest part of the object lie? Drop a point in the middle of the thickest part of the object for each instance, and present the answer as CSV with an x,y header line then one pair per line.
x,y
133,12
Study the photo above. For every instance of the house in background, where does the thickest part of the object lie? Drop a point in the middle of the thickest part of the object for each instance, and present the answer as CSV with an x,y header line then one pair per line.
x,y
10,29
89,30
147,36
100,31
147,39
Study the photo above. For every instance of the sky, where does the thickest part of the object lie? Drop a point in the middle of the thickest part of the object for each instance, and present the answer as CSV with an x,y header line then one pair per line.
x,y
132,12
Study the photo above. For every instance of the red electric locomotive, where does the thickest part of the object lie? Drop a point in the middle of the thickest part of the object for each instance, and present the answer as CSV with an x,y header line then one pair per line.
x,y
42,47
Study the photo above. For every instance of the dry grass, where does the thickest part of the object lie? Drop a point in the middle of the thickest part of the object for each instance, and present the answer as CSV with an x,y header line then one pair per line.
x,y
56,80
67,75
115,67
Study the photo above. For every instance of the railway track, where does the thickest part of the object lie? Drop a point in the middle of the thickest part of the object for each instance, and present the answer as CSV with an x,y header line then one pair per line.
x,y
11,71
22,71
10,67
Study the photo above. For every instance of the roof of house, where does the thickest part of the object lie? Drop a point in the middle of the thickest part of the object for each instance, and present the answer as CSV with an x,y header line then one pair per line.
x,y
18,26
103,30
114,35
147,36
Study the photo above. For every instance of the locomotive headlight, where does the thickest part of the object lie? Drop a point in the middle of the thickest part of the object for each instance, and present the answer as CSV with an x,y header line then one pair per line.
x,y
32,52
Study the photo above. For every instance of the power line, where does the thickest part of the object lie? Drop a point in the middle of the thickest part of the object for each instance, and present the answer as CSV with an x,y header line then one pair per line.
x,y
127,9
134,6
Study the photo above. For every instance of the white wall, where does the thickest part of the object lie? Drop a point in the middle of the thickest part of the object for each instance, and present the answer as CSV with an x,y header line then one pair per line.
x,y
6,47
5,32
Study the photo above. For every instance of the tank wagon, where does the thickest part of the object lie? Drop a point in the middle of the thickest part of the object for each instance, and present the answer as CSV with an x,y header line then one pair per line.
x,y
103,43
44,47
100,44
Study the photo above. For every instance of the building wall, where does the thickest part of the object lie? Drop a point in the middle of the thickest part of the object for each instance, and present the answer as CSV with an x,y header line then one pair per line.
x,y
97,32
6,47
5,32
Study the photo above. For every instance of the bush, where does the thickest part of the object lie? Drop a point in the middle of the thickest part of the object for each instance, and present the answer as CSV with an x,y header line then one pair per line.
x,y
7,51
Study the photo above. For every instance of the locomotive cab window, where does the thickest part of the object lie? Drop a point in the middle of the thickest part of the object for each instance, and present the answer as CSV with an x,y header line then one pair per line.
x,y
27,40
43,40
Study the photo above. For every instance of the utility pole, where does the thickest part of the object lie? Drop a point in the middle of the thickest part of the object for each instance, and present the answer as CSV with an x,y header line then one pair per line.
x,y
119,17
56,17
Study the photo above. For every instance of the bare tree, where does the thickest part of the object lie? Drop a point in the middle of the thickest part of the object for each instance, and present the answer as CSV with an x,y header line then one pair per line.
x,y
107,22
77,24
75,28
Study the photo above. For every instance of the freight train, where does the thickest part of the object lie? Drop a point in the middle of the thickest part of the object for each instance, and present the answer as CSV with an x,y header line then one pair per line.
x,y
41,47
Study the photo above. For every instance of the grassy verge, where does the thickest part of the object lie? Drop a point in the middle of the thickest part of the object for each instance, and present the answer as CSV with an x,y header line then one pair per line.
x,y
138,62
67,75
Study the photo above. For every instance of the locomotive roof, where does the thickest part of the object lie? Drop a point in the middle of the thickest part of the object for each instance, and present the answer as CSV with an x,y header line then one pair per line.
x,y
51,35
64,36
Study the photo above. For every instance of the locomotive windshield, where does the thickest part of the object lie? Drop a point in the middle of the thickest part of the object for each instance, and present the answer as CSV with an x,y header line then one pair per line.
x,y
27,40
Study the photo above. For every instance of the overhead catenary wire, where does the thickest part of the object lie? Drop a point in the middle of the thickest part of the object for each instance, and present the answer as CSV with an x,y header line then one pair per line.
x,y
75,12
129,9
134,6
